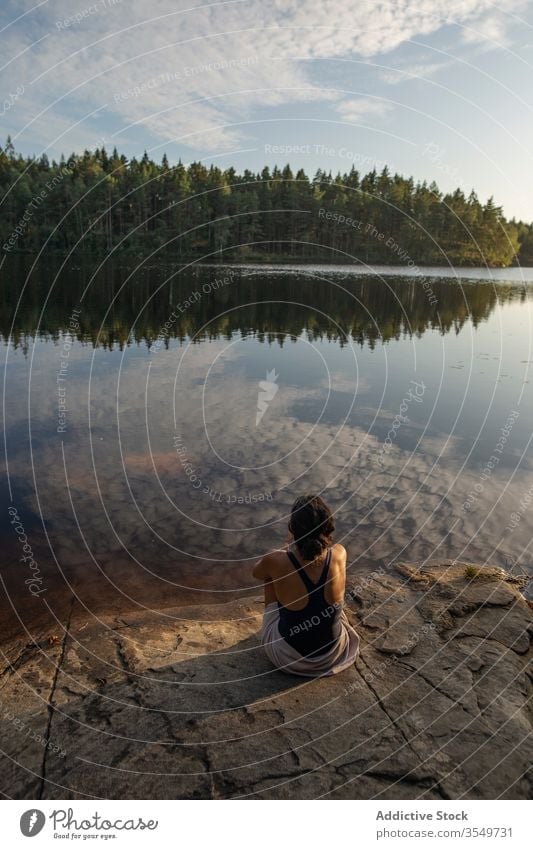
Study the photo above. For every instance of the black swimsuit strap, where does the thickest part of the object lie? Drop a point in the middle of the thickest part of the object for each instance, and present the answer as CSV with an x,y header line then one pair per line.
x,y
300,569
310,586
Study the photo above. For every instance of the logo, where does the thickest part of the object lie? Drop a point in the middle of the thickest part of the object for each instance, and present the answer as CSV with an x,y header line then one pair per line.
x,y
32,822
267,391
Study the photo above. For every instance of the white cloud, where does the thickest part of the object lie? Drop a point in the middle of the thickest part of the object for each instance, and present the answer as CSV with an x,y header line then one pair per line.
x,y
421,71
490,31
199,70
360,108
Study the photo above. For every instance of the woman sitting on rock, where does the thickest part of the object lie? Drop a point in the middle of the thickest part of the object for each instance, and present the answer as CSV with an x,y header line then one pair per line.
x,y
305,630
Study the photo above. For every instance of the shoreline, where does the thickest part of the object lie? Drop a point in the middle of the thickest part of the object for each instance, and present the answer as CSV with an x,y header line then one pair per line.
x,y
178,706
114,590
281,262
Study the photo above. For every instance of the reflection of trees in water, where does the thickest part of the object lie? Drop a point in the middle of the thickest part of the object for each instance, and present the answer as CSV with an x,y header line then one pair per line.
x,y
272,307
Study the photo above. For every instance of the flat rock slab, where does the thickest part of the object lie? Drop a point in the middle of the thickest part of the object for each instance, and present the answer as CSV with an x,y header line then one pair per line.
x,y
182,703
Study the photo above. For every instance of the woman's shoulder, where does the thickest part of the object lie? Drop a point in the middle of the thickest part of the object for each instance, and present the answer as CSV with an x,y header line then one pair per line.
x,y
271,563
276,556
338,557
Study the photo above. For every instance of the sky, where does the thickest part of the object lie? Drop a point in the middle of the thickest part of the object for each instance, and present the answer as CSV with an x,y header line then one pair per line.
x,y
437,89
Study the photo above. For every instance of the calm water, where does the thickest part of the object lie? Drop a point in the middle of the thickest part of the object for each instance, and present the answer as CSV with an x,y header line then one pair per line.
x,y
159,422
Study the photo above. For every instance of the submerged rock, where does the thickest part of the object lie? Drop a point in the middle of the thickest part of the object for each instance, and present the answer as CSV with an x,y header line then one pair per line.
x,y
182,703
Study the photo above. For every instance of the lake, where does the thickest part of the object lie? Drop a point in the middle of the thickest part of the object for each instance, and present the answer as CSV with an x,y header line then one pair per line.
x,y
159,422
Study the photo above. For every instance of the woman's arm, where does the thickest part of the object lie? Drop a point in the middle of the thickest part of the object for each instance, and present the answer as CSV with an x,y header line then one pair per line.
x,y
260,570
267,569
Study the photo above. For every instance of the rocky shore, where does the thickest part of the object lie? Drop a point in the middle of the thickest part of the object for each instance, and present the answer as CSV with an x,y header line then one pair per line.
x,y
182,703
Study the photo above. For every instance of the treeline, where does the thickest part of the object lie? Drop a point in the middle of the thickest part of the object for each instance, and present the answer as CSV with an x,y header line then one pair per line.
x,y
97,202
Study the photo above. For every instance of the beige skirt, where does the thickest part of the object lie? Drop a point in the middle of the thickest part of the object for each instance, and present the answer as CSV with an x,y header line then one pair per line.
x,y
285,657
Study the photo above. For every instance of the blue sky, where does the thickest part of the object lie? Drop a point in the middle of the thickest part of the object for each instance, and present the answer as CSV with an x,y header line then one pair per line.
x,y
438,90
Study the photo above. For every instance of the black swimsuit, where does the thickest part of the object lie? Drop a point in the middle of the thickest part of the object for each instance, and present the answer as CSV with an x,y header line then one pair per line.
x,y
315,629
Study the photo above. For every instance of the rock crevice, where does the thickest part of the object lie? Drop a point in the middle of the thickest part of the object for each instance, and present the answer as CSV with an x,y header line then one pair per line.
x,y
186,705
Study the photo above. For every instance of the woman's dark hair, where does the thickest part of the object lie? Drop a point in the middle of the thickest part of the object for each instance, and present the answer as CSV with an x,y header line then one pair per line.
x,y
311,525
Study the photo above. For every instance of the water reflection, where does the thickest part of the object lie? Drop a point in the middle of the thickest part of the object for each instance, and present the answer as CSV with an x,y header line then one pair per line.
x,y
159,484
122,306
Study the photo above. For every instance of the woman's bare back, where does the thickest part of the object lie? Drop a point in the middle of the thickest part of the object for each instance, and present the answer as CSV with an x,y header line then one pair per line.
x,y
286,584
